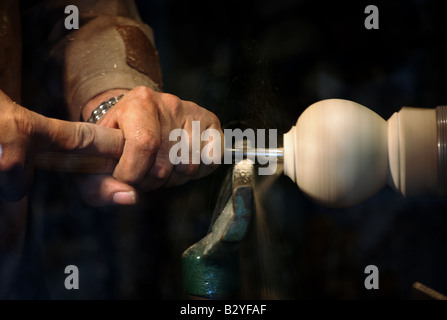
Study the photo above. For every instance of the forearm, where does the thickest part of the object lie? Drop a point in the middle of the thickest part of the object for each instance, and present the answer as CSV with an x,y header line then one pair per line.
x,y
110,53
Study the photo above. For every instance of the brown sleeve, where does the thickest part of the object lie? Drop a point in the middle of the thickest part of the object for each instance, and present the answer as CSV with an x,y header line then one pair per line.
x,y
109,51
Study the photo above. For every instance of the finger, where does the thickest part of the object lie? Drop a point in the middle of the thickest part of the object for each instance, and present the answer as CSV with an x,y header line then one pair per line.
x,y
212,151
194,129
142,134
185,171
80,137
162,168
101,190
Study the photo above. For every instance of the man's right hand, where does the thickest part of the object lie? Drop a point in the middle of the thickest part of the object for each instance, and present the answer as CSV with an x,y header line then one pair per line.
x,y
23,133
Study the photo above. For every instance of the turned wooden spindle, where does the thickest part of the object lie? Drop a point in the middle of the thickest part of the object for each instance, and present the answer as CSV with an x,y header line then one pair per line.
x,y
341,153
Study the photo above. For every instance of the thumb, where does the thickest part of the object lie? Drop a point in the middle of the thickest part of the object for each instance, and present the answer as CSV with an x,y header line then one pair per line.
x,y
101,190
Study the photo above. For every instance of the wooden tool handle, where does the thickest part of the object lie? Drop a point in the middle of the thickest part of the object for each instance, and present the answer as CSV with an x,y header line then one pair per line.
x,y
74,163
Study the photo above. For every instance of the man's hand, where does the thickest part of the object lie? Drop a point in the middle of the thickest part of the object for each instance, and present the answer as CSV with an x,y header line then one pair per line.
x,y
23,133
146,118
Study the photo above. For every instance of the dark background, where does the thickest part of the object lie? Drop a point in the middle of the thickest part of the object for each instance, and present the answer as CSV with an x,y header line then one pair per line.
x,y
261,63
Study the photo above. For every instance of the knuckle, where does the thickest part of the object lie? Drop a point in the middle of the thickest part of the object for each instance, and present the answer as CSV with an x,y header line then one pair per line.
x,y
147,142
162,173
157,177
144,92
209,118
22,122
84,135
172,103
214,120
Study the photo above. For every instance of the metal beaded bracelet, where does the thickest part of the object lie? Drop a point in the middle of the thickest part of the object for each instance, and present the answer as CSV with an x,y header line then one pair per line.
x,y
102,109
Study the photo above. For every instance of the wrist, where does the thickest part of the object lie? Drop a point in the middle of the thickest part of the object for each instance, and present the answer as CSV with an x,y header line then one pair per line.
x,y
93,103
